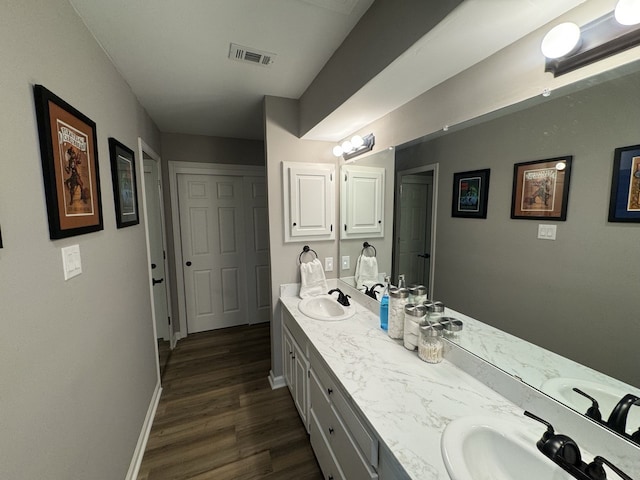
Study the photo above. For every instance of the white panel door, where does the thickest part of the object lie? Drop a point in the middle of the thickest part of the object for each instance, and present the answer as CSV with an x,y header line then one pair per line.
x,y
257,249
414,234
213,244
157,249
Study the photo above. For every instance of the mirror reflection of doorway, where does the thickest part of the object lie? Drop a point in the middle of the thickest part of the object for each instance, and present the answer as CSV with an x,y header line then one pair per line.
x,y
414,228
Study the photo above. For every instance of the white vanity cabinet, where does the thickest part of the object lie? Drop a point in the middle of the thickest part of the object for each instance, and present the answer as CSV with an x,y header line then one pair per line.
x,y
309,199
344,446
296,365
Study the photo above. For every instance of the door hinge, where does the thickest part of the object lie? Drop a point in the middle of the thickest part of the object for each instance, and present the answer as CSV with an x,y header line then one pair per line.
x,y
169,320
308,373
331,228
164,255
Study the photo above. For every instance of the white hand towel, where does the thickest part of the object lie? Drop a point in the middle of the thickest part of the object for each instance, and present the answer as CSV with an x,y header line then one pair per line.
x,y
366,271
312,279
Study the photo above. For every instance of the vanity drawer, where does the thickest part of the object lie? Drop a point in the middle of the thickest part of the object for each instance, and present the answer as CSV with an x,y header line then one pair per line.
x,y
327,461
346,452
328,388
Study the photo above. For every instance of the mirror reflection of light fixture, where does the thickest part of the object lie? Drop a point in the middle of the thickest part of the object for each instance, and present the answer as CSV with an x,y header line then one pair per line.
x,y
354,147
605,36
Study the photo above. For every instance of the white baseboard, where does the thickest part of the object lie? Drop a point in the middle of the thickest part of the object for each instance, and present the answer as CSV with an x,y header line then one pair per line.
x,y
276,382
138,453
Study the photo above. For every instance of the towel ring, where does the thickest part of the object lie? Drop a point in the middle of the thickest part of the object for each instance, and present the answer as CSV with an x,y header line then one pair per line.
x,y
366,245
306,249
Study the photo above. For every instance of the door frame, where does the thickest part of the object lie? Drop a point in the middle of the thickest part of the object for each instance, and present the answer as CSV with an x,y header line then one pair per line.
x,y
145,149
433,167
195,168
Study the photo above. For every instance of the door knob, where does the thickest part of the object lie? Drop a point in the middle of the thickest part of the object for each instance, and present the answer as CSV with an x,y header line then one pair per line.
x,y
188,264
154,281
153,265
425,255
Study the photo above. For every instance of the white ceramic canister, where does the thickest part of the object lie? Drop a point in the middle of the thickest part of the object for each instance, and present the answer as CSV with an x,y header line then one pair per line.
x,y
398,298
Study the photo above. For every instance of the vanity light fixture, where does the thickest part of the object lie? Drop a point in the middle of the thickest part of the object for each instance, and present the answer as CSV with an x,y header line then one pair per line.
x,y
569,47
354,147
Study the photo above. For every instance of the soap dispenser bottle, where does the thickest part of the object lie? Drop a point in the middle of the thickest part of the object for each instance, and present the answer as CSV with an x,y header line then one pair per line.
x,y
384,305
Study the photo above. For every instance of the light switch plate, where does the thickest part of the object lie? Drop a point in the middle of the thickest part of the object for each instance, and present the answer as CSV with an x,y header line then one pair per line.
x,y
328,264
547,232
346,262
71,262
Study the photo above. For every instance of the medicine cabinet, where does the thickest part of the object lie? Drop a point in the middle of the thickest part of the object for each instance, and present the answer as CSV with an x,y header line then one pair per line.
x,y
362,202
309,205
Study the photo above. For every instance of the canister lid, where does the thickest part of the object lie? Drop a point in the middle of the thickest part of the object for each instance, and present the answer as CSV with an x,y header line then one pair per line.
x,y
433,330
435,307
415,310
418,290
451,324
399,293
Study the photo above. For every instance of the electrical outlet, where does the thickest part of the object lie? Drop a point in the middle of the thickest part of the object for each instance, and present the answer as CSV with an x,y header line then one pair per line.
x,y
328,264
346,262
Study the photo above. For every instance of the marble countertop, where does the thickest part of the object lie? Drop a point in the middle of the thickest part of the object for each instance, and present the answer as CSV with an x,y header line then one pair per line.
x,y
406,401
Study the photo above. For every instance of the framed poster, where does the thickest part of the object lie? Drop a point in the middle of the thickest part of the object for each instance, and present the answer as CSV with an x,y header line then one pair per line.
x,y
69,153
541,189
125,192
624,204
470,194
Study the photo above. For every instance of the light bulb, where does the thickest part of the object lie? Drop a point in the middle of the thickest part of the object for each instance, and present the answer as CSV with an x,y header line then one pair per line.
x,y
561,40
561,166
628,12
337,151
357,141
346,146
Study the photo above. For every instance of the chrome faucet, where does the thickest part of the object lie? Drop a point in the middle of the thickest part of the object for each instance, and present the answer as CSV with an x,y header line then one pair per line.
x,y
343,299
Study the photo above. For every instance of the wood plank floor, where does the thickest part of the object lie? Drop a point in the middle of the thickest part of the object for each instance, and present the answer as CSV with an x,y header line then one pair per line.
x,y
218,417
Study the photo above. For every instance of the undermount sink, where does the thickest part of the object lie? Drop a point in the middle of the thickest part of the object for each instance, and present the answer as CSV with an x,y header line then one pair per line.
x,y
325,307
491,448
607,396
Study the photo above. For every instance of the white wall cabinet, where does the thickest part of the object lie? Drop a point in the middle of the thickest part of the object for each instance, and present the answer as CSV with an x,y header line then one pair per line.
x,y
362,201
309,201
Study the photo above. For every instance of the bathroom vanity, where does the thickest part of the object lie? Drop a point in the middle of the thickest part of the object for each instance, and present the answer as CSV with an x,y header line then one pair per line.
x,y
374,410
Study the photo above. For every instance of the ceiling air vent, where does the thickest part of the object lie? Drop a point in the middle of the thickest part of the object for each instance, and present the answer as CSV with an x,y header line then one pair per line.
x,y
251,55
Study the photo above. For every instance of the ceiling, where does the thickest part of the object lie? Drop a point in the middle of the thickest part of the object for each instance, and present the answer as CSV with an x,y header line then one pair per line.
x,y
174,55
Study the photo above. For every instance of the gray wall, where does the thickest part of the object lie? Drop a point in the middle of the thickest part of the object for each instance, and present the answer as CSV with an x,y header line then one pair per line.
x,y
576,295
77,364
283,145
383,33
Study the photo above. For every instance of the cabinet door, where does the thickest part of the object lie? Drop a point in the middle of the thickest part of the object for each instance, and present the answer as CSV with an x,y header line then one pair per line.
x,y
309,201
287,358
301,386
362,201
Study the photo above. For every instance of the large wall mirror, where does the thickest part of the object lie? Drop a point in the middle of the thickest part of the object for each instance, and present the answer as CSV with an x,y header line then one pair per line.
x,y
575,297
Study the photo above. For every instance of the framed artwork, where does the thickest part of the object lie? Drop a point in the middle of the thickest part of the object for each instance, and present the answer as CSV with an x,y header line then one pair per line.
x,y
125,192
470,194
624,205
541,189
68,148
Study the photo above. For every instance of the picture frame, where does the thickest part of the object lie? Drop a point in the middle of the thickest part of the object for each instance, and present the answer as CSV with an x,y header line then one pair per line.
x,y
470,194
541,189
125,190
69,154
624,203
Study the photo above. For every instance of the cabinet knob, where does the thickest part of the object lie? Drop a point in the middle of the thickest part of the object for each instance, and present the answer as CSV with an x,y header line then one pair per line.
x,y
329,391
330,431
188,264
330,477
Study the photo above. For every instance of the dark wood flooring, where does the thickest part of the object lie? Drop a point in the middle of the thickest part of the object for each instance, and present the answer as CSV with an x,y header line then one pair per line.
x,y
218,417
